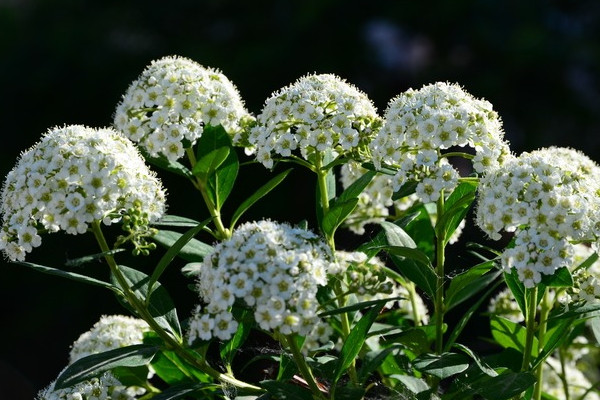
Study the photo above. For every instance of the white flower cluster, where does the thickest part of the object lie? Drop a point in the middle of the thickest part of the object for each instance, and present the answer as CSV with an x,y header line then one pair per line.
x,y
110,332
316,113
74,175
419,124
366,280
547,198
586,281
166,109
105,387
272,268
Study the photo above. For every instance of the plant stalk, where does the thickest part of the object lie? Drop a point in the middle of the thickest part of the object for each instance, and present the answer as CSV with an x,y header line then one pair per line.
x,y
543,324
530,327
304,368
139,307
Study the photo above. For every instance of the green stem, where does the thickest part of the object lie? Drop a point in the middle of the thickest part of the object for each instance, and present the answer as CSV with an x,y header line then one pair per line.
x,y
139,307
222,232
412,293
439,311
543,324
304,368
530,317
563,372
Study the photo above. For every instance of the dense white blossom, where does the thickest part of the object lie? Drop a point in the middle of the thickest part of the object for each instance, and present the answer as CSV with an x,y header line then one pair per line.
x,y
272,268
420,124
167,107
108,333
105,387
317,113
74,175
548,198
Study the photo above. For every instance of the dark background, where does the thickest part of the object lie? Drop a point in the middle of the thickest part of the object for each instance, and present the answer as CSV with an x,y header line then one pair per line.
x,y
69,62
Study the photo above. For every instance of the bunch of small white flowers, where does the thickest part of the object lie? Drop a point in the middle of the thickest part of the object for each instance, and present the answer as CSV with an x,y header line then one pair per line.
x,y
315,114
566,380
419,124
73,176
105,387
547,198
166,109
586,281
273,269
108,333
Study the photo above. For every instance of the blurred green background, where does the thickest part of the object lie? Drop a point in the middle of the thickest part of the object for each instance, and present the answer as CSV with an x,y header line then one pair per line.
x,y
69,62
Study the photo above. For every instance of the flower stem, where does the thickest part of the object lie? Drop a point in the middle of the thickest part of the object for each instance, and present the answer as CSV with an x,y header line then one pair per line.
x,y
439,269
140,309
304,368
530,317
543,324
222,232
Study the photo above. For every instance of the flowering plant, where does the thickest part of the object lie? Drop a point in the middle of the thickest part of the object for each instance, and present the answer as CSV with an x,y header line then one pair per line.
x,y
331,322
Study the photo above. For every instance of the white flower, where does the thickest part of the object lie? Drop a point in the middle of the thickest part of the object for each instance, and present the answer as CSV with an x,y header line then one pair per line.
x,y
314,114
173,99
420,124
105,387
548,198
273,268
74,175
110,332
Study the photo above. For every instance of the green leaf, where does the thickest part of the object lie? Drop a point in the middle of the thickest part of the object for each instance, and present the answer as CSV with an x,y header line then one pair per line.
x,y
78,262
183,391
486,369
222,182
337,214
552,339
560,278
456,207
159,302
595,326
502,387
443,365
415,339
509,334
355,340
516,287
372,360
96,364
469,283
69,275
164,163
261,192
357,187
578,311
420,229
411,263
287,391
173,251
208,164
406,190
358,306
176,221
245,324
193,251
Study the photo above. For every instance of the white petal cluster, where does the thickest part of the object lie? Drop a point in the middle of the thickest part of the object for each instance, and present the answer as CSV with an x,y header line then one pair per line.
x,y
586,281
316,113
272,268
166,109
547,198
74,175
420,124
110,332
105,387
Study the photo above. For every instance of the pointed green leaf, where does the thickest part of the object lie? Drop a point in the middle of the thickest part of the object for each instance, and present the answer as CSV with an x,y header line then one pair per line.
x,y
337,214
516,287
69,275
560,278
96,364
509,334
358,306
373,360
172,252
159,303
261,192
443,365
415,385
185,390
355,340
176,221
223,180
357,187
193,251
469,283
287,391
208,164
455,209
552,339
163,162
